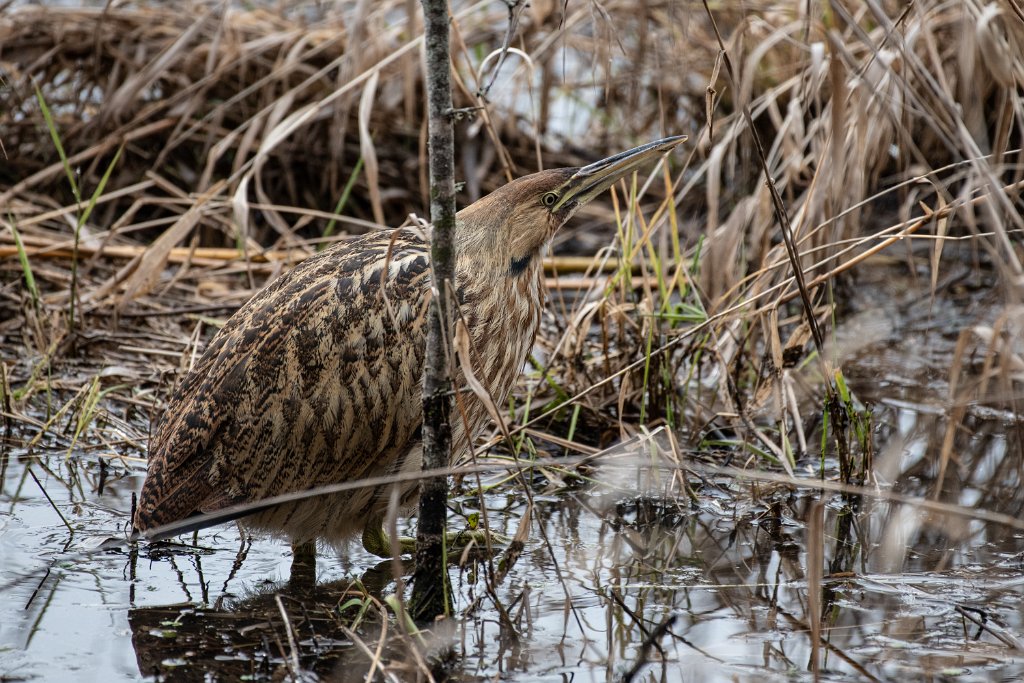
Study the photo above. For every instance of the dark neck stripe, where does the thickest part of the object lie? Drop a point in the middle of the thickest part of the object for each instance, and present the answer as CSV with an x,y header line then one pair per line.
x,y
517,266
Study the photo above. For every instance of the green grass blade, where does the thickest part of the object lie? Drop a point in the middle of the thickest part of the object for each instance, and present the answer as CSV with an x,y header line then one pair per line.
x,y
84,217
343,200
55,136
26,267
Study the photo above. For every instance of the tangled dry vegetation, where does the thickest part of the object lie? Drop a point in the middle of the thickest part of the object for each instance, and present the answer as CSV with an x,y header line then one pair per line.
x,y
160,165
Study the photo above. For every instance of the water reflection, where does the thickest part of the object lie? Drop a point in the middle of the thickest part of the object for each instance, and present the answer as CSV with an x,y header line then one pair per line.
x,y
904,592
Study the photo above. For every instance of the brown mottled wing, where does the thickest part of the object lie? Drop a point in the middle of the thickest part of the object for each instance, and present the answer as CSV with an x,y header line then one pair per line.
x,y
316,380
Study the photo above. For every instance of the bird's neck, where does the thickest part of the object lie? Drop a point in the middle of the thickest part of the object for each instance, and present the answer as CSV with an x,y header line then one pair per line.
x,y
500,277
502,308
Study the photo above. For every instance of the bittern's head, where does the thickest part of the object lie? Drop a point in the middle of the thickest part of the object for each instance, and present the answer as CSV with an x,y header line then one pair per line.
x,y
512,224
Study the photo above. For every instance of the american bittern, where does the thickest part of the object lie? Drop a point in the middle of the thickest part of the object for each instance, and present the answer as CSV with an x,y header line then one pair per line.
x,y
317,379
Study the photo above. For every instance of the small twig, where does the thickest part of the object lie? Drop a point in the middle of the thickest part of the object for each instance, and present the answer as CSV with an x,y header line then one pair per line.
x,y
39,587
515,9
294,668
831,647
52,504
374,657
815,562
637,619
982,622
649,642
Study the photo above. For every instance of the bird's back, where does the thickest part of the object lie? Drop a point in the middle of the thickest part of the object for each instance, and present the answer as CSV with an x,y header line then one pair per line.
x,y
316,380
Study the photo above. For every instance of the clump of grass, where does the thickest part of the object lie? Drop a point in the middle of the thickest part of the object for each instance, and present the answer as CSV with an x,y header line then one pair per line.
x,y
826,93
83,212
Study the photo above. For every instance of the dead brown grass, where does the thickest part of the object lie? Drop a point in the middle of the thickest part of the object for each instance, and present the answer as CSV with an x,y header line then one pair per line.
x,y
247,136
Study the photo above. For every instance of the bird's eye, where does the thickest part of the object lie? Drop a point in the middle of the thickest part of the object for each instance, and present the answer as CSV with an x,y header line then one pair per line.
x,y
549,199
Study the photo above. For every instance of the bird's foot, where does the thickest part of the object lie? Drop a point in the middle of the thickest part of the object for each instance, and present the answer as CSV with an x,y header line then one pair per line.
x,y
377,542
480,538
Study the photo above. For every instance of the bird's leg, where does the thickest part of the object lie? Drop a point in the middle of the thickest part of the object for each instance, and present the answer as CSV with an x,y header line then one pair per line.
x,y
377,542
303,572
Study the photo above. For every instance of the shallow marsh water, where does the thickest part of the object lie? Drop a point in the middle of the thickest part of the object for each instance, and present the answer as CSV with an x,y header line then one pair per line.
x,y
718,583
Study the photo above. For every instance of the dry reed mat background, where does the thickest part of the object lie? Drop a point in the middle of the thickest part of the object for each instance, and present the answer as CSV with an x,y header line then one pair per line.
x,y
161,163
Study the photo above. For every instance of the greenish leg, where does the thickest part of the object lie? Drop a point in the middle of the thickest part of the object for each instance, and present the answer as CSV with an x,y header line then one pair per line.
x,y
377,542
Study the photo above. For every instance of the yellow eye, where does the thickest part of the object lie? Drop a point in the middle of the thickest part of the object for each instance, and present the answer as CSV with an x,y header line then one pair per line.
x,y
549,199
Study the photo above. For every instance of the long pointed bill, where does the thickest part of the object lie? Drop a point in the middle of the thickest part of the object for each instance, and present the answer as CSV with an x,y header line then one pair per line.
x,y
592,180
